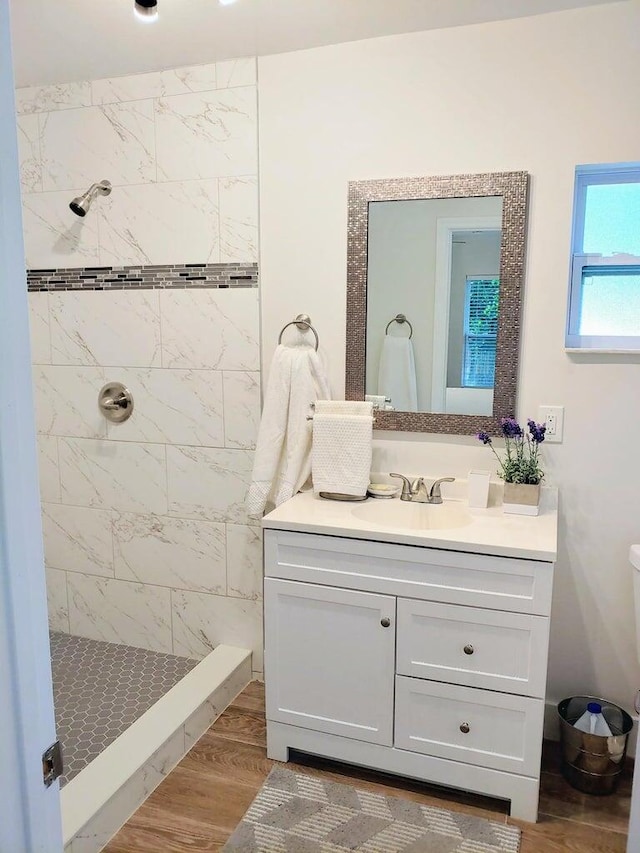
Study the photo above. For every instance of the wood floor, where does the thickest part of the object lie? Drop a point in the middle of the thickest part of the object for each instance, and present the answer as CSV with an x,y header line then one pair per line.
x,y
200,803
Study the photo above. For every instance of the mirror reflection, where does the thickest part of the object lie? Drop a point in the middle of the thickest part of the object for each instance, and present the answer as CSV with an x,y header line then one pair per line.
x,y
433,293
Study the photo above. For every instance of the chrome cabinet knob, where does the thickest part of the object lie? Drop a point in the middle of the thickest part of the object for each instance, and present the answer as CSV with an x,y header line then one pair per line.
x,y
465,728
468,649
385,621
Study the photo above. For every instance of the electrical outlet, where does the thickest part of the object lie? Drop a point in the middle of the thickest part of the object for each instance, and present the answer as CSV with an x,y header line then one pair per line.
x,y
553,417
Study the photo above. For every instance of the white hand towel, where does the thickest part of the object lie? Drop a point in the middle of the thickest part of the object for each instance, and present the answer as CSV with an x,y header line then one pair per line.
x,y
344,407
397,374
282,458
341,455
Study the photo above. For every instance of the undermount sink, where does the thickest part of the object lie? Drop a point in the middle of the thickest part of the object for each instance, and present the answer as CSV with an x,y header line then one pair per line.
x,y
406,515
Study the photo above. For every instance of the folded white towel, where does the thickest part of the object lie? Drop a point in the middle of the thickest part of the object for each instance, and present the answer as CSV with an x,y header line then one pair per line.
x,y
344,407
397,374
341,455
282,461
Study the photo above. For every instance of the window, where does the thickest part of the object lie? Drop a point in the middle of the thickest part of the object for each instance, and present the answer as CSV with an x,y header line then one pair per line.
x,y
480,331
604,290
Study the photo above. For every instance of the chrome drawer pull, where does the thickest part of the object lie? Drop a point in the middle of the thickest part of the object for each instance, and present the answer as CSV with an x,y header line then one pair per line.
x,y
465,728
385,622
468,649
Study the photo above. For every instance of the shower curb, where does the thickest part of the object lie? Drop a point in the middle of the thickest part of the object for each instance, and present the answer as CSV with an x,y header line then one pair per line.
x,y
103,796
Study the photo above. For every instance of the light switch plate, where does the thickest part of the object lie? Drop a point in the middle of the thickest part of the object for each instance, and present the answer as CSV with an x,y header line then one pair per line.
x,y
553,417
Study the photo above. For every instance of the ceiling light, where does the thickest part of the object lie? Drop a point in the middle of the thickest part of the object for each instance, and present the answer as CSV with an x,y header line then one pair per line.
x,y
226,2
146,10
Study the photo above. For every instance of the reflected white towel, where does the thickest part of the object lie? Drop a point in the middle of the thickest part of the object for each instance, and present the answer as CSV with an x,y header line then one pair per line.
x,y
282,461
379,400
342,447
397,374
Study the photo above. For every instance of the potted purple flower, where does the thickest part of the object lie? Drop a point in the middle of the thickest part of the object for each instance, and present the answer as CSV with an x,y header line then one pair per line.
x,y
520,469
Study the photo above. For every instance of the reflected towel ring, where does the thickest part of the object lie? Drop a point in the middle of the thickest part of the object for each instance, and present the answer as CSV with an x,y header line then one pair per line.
x,y
400,318
303,322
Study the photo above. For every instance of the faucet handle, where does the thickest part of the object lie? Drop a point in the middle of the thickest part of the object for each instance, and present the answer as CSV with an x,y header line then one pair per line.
x,y
434,494
406,487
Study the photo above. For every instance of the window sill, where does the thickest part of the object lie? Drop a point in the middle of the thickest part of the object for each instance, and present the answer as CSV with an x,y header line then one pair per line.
x,y
594,351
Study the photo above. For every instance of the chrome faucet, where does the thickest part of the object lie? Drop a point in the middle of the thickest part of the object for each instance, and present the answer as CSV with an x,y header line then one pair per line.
x,y
417,491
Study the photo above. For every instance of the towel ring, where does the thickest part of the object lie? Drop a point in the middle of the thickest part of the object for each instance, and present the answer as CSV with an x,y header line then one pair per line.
x,y
400,318
303,322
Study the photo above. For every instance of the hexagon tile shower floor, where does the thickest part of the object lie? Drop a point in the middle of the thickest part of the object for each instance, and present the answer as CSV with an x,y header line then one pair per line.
x,y
100,689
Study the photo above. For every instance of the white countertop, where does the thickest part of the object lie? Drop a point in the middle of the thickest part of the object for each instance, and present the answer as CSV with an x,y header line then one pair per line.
x,y
490,531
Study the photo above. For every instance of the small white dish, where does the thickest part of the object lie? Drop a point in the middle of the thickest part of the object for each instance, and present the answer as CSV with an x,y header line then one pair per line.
x,y
382,490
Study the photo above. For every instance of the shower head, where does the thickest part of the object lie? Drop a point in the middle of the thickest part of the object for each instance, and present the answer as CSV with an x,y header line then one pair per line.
x,y
82,203
146,10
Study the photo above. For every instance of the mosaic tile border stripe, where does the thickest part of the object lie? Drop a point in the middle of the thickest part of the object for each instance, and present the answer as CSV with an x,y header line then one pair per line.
x,y
142,277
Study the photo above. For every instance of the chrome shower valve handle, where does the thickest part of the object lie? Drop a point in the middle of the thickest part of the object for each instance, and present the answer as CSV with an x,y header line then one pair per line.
x,y
115,401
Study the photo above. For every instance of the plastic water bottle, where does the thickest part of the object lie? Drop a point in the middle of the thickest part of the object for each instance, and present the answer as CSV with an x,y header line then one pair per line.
x,y
592,721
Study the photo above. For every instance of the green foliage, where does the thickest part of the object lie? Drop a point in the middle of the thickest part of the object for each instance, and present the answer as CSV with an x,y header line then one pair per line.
x,y
523,470
484,302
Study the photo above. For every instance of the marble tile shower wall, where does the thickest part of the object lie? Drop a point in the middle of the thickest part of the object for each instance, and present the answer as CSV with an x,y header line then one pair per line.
x,y
180,148
146,537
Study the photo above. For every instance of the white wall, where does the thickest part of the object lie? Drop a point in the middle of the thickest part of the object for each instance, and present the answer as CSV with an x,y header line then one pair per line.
x,y
539,94
146,538
475,254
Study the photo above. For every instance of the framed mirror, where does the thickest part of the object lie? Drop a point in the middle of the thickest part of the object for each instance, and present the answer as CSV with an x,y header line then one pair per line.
x,y
435,271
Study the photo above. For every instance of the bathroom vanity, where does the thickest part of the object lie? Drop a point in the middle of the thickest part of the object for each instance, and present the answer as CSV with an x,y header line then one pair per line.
x,y
411,639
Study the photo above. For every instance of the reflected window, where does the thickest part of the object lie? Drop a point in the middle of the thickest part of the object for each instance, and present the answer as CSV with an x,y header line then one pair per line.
x,y
604,297
480,331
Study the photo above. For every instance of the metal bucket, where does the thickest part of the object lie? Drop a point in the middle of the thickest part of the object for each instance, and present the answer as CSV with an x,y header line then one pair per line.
x,y
593,763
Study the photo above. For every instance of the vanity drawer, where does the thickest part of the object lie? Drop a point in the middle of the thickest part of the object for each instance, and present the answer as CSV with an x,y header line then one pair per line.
x,y
472,726
478,580
472,646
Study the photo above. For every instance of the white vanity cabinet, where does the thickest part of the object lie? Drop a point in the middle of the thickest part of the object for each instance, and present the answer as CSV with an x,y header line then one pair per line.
x,y
414,660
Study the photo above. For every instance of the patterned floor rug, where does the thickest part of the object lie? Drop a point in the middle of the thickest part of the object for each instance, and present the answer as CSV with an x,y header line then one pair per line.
x,y
296,813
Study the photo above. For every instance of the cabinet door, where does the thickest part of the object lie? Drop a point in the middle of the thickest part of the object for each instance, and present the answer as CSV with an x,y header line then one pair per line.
x,y
329,659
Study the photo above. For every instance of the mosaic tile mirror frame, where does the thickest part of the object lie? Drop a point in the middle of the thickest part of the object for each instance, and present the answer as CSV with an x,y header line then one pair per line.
x,y
512,187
